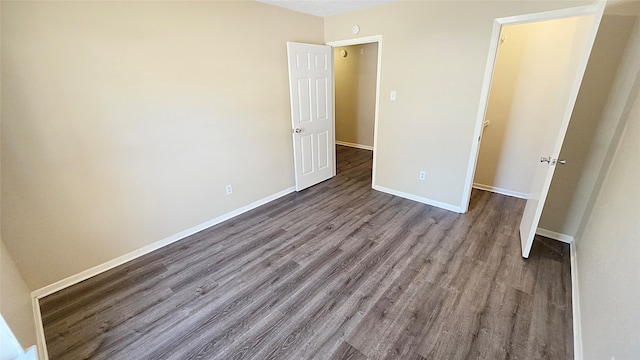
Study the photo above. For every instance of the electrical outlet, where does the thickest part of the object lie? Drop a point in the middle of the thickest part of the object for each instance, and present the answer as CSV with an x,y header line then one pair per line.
x,y
422,175
228,189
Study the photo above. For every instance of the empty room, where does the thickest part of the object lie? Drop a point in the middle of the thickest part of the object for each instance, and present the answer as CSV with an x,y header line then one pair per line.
x,y
319,179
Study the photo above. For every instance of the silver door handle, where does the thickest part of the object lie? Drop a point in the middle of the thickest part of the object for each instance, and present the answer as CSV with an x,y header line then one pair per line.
x,y
551,161
297,130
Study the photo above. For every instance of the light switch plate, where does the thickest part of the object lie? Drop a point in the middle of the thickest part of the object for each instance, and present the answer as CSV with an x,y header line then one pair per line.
x,y
393,96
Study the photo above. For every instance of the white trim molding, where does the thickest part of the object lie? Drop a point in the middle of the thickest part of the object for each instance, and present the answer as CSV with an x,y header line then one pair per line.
x,y
501,191
575,293
555,235
41,343
357,146
74,279
419,199
575,304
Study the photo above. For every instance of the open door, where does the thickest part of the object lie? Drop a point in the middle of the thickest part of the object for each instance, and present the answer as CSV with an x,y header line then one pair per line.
x,y
312,112
586,30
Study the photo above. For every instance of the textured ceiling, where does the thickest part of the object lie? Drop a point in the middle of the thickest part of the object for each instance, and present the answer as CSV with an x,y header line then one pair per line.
x,y
324,8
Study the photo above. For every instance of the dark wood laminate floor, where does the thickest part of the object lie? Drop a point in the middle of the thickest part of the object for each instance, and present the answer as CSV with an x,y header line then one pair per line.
x,y
338,271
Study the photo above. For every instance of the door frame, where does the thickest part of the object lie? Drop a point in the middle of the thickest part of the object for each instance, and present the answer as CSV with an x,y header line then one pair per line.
x,y
362,41
498,23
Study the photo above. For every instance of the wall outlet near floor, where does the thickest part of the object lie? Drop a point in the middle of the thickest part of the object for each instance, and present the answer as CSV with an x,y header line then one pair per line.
x,y
228,189
422,175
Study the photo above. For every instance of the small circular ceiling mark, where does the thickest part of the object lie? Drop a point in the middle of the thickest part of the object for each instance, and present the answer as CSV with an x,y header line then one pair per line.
x,y
355,29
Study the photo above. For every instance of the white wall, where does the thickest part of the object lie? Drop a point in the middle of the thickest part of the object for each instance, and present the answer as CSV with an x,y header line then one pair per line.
x,y
434,55
122,122
607,249
607,256
529,71
355,93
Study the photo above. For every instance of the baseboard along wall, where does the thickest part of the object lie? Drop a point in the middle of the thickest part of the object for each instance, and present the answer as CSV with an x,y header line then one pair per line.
x,y
555,235
420,199
575,304
41,343
575,293
501,191
357,146
49,289
74,279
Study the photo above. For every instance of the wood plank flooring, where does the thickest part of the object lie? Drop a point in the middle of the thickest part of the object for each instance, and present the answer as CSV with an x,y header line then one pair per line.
x,y
337,271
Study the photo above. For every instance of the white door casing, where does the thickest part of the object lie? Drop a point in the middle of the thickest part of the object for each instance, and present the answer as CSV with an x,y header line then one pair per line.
x,y
550,150
359,41
312,112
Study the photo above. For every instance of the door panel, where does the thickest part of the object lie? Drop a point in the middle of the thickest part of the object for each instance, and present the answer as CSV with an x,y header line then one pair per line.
x,y
312,119
323,150
584,36
304,94
306,147
322,99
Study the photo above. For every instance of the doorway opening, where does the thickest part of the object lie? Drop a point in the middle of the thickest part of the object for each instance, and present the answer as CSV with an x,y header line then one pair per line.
x,y
357,93
552,104
529,72
355,71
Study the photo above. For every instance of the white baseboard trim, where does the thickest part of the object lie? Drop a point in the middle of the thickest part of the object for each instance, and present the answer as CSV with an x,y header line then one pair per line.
x,y
575,304
575,293
74,279
501,191
555,235
357,146
41,343
418,199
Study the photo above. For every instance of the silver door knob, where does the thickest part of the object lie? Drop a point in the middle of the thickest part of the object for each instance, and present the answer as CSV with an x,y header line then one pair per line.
x,y
551,161
297,130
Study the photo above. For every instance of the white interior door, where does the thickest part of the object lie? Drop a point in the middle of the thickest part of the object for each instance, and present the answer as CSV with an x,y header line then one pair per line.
x,y
566,96
312,112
